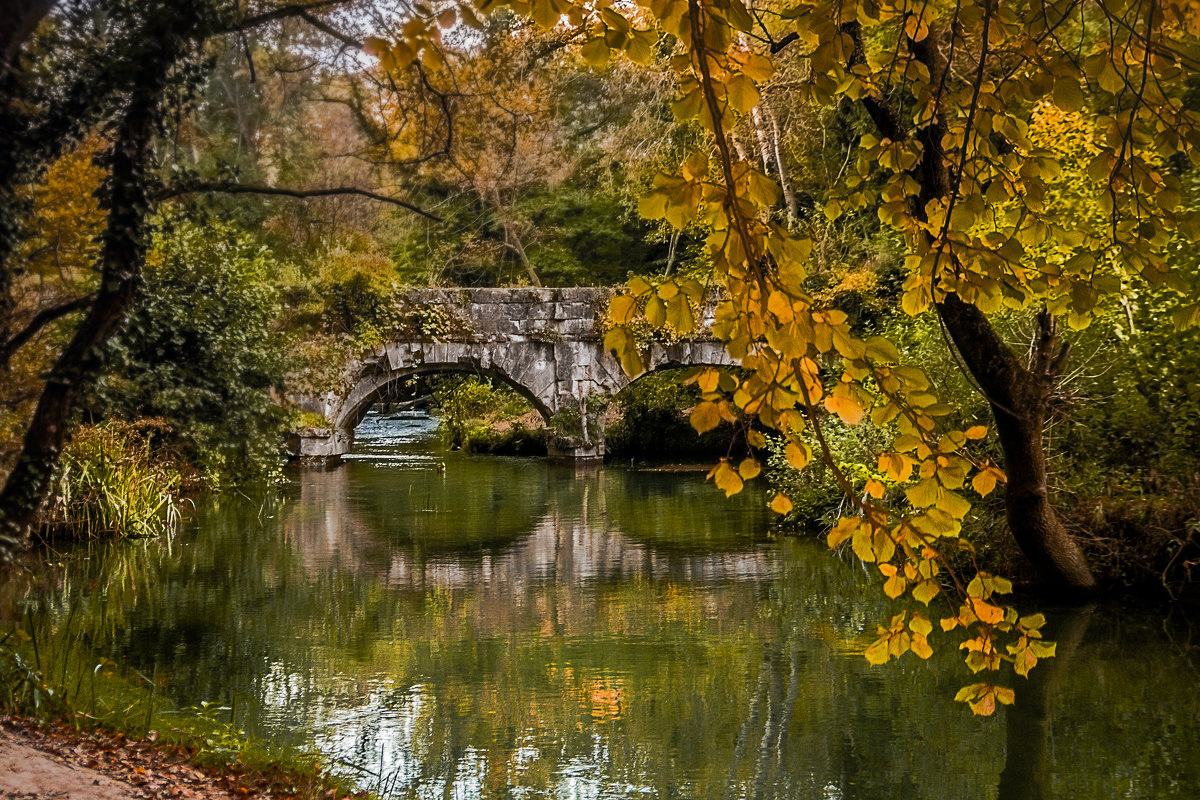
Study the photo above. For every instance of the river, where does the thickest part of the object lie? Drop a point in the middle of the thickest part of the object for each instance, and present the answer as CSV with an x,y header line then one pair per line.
x,y
448,626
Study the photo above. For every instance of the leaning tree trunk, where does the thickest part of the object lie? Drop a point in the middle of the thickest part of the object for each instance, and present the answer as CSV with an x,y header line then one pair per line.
x,y
1019,396
122,254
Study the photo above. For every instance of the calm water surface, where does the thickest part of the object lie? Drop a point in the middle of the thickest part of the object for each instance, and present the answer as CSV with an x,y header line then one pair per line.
x,y
515,629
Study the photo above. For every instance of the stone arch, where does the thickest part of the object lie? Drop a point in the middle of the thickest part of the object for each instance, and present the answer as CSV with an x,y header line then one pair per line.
x,y
367,389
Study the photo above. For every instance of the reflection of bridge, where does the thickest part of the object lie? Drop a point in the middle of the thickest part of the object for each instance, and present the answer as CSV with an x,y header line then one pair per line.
x,y
543,342
571,538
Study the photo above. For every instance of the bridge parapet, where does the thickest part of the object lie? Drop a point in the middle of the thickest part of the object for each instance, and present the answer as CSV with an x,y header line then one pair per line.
x,y
489,315
544,342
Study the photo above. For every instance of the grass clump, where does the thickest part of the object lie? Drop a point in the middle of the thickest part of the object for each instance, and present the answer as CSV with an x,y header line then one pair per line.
x,y
112,481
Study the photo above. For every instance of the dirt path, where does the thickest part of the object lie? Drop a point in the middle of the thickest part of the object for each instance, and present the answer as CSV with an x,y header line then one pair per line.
x,y
59,763
30,774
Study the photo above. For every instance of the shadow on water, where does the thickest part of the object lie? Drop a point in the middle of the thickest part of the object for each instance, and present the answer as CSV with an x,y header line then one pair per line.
x,y
511,628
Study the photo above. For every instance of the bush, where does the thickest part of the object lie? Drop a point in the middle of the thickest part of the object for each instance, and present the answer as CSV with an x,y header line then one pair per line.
x,y
479,415
654,424
201,352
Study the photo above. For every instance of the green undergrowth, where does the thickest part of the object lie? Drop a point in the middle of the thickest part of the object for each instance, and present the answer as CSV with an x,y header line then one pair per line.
x,y
514,440
653,424
479,415
49,675
117,479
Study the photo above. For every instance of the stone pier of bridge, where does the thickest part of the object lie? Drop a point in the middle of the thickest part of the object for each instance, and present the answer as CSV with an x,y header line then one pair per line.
x,y
545,343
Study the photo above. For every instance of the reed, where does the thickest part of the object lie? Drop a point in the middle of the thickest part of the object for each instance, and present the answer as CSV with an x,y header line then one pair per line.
x,y
112,483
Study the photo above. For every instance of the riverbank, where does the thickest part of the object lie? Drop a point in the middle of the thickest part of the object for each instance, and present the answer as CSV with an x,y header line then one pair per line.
x,y
55,760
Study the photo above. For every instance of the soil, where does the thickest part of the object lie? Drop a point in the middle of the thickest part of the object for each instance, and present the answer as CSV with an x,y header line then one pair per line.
x,y
56,762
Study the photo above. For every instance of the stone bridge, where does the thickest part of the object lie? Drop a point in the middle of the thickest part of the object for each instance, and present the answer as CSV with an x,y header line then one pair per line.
x,y
545,343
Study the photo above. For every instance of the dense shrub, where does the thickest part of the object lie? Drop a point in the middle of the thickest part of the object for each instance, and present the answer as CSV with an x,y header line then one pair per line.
x,y
201,352
653,424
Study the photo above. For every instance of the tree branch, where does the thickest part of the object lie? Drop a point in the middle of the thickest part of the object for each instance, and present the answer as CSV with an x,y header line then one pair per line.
x,y
304,12
277,191
39,321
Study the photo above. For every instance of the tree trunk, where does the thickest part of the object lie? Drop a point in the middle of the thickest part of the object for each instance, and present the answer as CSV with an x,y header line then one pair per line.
x,y
122,256
789,196
1018,395
1019,398
760,135
514,243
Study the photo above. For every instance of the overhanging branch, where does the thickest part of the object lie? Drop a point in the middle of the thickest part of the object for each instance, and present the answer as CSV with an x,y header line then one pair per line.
x,y
40,320
299,194
302,11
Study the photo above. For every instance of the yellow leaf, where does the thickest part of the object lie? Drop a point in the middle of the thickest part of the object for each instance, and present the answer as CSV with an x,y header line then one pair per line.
x,y
1024,660
749,469
924,494
595,52
877,652
758,67
1043,649
874,488
656,312
705,416
1067,94
975,432
622,309
726,478
846,527
896,466
797,454
926,591
984,706
742,93
843,402
983,483
1033,622
781,504
920,646
679,314
620,342
708,380
640,47
987,613
953,504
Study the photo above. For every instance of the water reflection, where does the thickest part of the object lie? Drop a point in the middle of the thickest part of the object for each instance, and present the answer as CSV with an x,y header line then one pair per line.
x,y
507,628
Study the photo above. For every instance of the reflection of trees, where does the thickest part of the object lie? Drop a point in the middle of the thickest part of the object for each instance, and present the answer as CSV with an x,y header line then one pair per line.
x,y
482,525
1027,762
672,512
556,637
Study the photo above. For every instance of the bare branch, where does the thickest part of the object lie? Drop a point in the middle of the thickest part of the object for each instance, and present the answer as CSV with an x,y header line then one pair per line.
x,y
278,191
39,321
303,11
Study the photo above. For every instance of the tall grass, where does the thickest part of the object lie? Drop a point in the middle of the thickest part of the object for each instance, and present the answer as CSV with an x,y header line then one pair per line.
x,y
112,483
